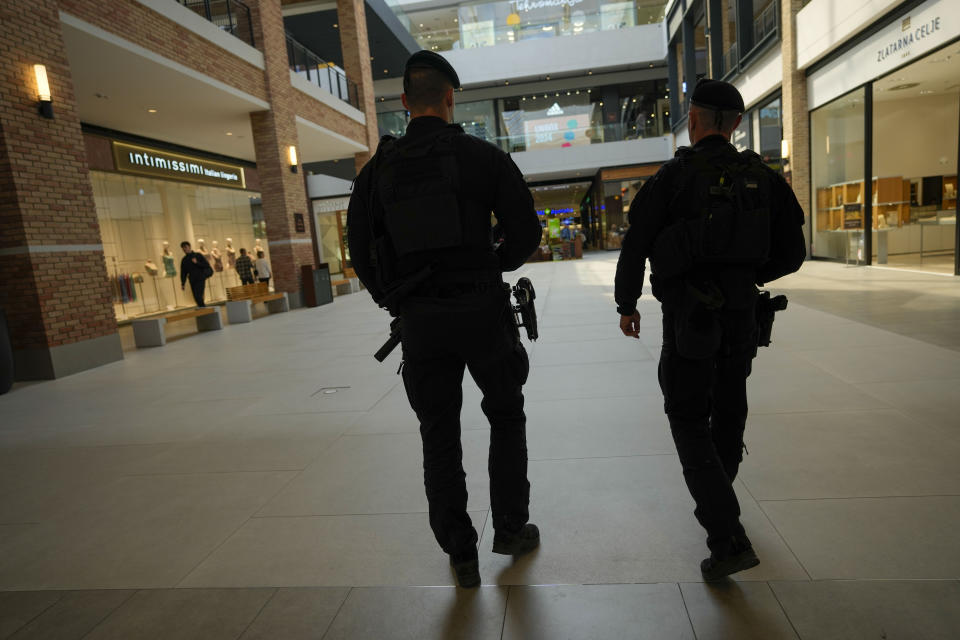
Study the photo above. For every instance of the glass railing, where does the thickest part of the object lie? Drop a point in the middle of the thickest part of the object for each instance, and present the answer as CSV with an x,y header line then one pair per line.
x,y
765,24
325,75
231,16
486,24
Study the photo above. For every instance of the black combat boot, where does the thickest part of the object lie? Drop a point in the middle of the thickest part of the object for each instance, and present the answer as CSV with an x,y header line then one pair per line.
x,y
739,557
467,569
517,543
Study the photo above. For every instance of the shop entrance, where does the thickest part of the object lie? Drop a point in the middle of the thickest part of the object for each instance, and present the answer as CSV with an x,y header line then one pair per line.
x,y
911,118
559,209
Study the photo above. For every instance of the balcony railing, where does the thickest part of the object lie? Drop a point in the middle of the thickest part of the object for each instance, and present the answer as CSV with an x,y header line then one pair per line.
x,y
324,74
231,16
765,24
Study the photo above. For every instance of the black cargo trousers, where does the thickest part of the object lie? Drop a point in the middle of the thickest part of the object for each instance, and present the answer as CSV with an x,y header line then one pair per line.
x,y
441,336
705,399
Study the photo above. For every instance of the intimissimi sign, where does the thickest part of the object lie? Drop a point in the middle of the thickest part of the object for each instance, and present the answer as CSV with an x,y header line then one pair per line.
x,y
156,163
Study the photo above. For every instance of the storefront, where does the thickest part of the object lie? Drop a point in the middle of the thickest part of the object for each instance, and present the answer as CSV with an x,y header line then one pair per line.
x,y
150,199
761,131
885,138
330,218
606,206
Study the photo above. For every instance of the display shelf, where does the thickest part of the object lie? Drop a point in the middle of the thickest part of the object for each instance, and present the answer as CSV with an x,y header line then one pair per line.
x,y
889,195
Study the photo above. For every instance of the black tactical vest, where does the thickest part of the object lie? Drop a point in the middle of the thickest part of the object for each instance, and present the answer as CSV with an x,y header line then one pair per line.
x,y
720,213
418,187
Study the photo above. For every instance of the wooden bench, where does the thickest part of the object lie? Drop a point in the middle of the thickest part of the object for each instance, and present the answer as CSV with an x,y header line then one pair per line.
x,y
240,301
349,283
149,332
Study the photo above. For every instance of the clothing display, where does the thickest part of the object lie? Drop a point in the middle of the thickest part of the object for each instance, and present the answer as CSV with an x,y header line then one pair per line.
x,y
151,267
124,290
169,266
231,254
216,260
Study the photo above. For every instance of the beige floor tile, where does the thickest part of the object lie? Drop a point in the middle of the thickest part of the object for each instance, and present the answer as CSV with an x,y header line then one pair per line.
x,y
74,615
297,614
444,613
913,361
139,532
587,351
872,538
622,520
363,474
598,612
935,402
581,428
184,614
865,610
17,608
369,550
848,454
735,611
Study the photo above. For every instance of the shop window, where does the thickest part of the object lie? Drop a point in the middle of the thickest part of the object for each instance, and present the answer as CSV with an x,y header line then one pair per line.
x,y
837,162
477,118
764,19
916,111
681,77
551,120
701,57
144,220
728,35
770,127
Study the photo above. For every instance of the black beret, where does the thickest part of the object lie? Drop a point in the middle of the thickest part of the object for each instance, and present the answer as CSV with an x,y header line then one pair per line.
x,y
717,95
429,60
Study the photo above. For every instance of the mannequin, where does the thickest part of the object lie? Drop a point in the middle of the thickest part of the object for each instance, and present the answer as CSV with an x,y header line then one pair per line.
x,y
202,249
217,257
257,249
231,254
169,265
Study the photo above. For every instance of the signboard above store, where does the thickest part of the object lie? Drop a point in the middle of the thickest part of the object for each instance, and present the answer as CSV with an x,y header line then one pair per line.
x,y
925,28
157,163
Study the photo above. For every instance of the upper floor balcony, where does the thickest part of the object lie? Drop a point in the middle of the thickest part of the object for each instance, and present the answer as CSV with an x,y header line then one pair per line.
x,y
232,16
444,26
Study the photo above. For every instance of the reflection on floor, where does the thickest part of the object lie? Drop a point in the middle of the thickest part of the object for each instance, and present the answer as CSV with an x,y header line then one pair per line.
x,y
207,489
941,262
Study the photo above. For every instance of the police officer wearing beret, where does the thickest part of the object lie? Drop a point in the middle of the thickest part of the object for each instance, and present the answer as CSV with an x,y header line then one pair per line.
x,y
419,215
715,224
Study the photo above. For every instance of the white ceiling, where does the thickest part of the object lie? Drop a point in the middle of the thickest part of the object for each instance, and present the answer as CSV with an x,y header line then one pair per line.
x,y
116,83
938,73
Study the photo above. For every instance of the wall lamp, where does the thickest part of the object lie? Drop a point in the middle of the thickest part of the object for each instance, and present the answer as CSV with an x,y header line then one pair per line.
x,y
44,100
292,157
784,148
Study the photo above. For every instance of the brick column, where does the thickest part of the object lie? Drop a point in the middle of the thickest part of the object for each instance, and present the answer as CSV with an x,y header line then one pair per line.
x,y
53,278
796,124
356,62
274,131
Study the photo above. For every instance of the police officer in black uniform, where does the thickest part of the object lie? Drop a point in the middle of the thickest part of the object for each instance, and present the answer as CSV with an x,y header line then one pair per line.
x,y
420,213
715,224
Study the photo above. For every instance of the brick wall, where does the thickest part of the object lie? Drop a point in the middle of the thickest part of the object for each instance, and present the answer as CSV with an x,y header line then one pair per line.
x,y
283,192
136,23
51,297
356,62
796,123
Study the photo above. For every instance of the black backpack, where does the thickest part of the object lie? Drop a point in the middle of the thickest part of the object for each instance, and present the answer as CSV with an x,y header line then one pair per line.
x,y
721,213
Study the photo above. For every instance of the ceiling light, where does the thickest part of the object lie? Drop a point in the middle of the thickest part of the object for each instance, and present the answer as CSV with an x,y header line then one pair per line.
x,y
151,110
421,24
229,133
548,77
547,27
335,25
589,73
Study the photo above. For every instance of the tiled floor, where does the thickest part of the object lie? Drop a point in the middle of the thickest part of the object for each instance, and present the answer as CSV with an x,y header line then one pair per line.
x,y
210,489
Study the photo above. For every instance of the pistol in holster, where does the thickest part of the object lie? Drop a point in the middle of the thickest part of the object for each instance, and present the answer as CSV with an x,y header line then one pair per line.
x,y
525,312
767,308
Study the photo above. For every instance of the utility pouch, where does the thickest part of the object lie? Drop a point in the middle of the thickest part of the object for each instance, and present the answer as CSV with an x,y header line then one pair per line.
x,y
697,327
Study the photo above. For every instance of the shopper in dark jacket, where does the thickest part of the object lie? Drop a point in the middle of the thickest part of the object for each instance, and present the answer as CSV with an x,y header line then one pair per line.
x,y
195,267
